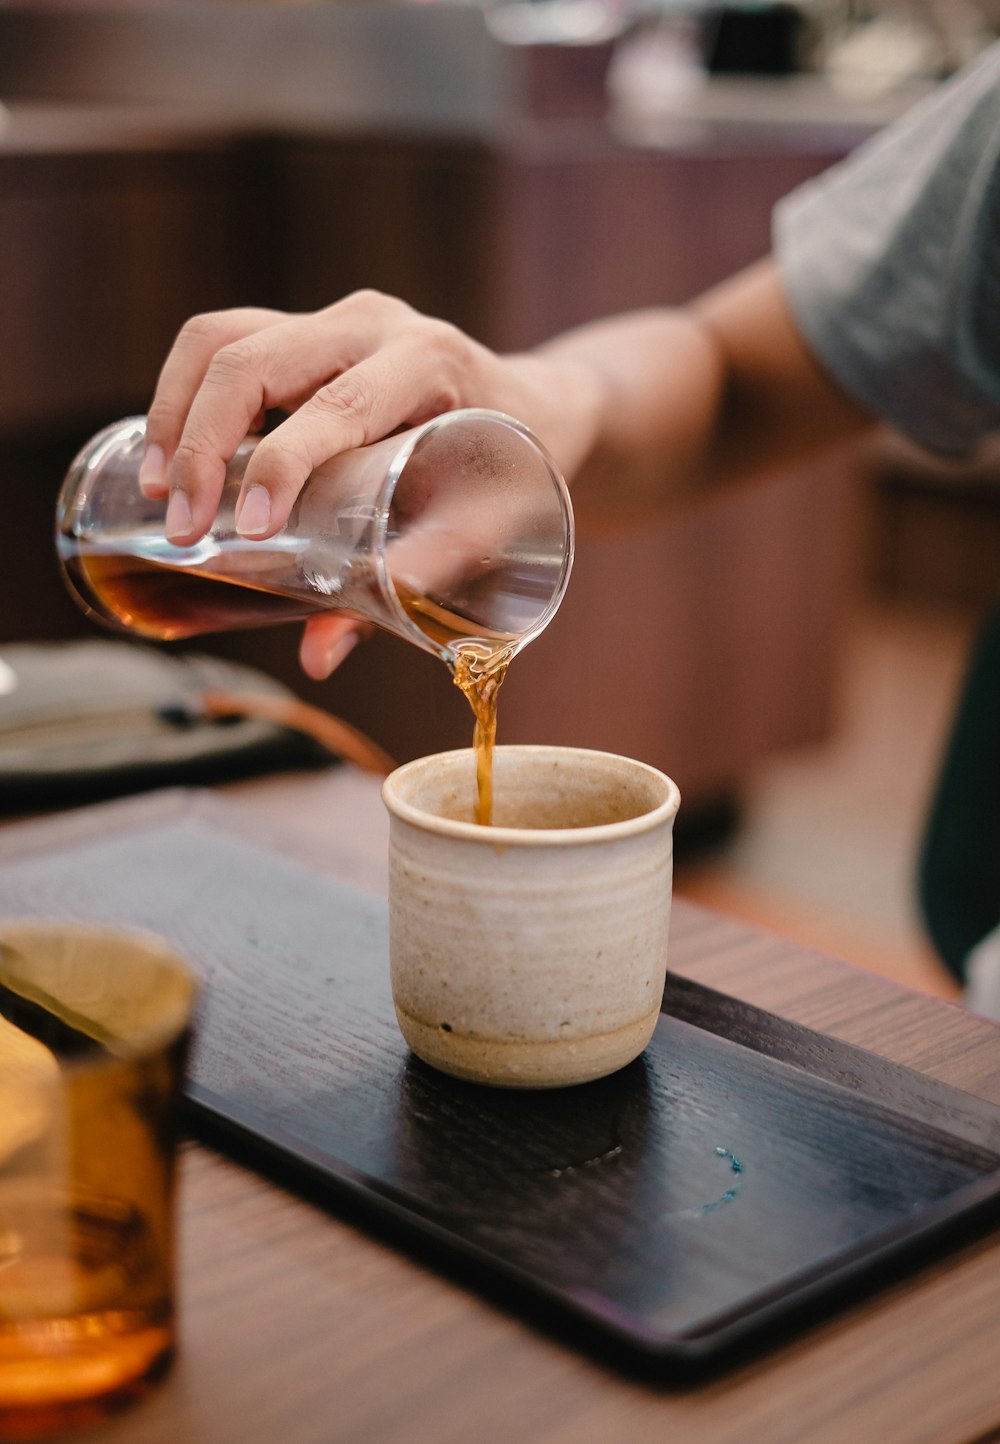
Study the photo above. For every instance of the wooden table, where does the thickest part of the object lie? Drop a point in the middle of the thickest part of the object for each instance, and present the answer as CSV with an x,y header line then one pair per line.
x,y
299,1329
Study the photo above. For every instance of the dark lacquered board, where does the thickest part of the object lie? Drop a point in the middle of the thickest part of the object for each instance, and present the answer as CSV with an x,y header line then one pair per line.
x,y
741,1177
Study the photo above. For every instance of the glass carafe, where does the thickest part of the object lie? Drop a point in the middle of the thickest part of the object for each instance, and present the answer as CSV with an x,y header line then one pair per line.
x,y
456,535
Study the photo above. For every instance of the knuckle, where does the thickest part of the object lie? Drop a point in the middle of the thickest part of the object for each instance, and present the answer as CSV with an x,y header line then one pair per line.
x,y
236,363
164,417
450,357
348,401
196,330
442,335
280,461
373,309
369,298
191,453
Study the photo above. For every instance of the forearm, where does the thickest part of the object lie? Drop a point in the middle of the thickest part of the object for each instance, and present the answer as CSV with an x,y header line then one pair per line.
x,y
637,409
652,384
671,402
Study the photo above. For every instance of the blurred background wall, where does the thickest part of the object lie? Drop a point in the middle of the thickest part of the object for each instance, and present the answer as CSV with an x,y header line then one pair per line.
x,y
515,169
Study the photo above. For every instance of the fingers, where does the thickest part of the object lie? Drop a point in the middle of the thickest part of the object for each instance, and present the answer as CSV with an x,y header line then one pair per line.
x,y
269,367
368,401
350,374
326,641
180,377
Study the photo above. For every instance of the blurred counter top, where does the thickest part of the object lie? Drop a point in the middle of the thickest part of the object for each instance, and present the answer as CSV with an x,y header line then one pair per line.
x,y
78,81
49,127
427,68
734,111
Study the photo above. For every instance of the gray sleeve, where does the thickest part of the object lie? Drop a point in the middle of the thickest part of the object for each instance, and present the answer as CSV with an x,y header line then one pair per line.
x,y
891,265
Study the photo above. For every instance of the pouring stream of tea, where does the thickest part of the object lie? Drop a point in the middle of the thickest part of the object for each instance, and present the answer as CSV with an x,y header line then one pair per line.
x,y
480,681
481,659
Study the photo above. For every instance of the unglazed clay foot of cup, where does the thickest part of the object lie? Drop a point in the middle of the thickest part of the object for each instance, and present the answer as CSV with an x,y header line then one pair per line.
x,y
530,954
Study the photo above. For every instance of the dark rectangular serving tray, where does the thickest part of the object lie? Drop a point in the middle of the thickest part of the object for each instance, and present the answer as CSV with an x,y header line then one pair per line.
x,y
741,1177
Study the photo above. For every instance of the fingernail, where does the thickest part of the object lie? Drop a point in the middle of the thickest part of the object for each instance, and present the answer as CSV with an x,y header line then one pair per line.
x,y
339,649
152,472
253,517
178,522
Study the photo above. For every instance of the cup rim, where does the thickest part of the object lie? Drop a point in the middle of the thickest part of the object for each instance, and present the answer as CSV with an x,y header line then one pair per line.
x,y
17,929
522,837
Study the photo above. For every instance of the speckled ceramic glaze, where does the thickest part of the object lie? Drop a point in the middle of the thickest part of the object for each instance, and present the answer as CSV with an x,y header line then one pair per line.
x,y
530,954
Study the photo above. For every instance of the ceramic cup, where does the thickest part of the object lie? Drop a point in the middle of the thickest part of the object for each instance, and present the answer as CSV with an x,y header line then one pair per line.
x,y
529,954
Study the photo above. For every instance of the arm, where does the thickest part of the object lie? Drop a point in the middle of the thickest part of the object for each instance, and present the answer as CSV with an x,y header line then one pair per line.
x,y
637,409
690,400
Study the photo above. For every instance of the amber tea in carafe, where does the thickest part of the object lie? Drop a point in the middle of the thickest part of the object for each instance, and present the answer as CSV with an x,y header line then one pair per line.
x,y
159,599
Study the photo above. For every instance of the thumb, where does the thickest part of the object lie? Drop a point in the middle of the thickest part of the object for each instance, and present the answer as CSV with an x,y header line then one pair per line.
x,y
326,641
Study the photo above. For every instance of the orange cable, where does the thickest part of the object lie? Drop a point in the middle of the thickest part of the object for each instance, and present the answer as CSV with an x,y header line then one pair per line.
x,y
331,732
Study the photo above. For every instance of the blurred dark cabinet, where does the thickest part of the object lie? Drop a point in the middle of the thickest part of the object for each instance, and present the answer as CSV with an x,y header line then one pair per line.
x,y
516,239
410,217
104,255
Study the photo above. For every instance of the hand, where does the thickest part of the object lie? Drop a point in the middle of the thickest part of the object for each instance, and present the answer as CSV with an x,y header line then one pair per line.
x,y
477,527
351,374
348,375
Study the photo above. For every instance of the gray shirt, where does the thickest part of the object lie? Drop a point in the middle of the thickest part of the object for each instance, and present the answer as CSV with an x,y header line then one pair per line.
x,y
891,265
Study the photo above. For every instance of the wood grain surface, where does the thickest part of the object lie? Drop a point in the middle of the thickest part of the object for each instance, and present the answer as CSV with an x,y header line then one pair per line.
x,y
297,1327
